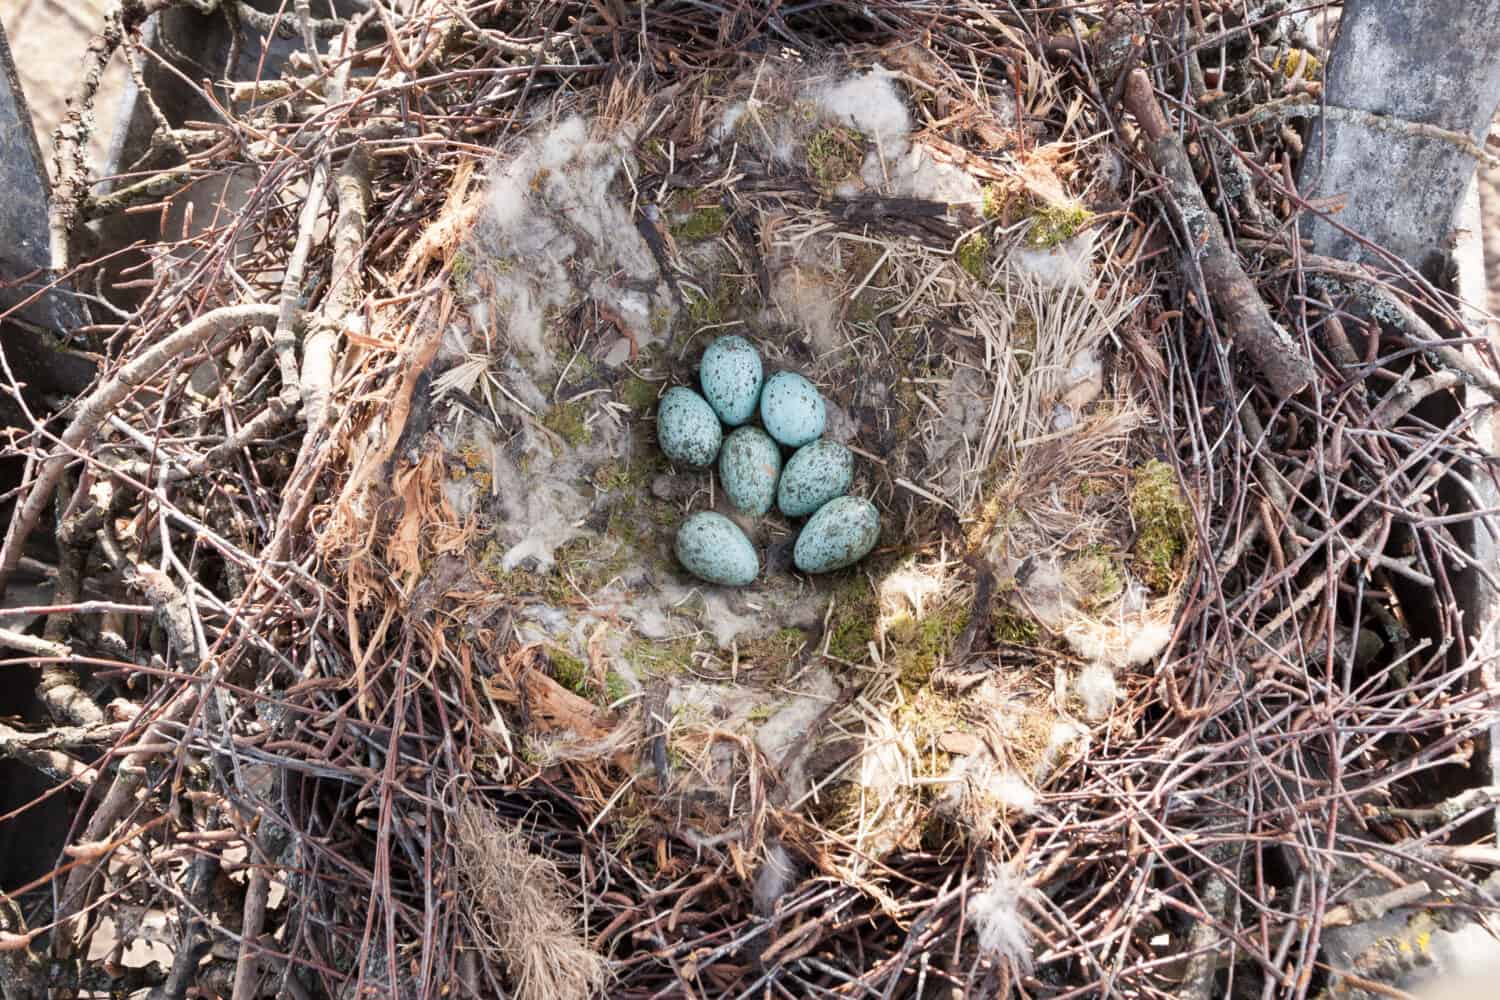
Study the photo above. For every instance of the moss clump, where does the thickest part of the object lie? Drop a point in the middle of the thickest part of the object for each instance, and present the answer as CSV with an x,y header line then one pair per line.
x,y
992,203
459,270
660,658
772,651
925,718
852,627
569,671
637,393
573,674
655,147
1161,516
568,421
520,584
612,475
974,256
1094,577
702,223
616,687
833,154
1054,224
917,648
704,310
837,806
1011,627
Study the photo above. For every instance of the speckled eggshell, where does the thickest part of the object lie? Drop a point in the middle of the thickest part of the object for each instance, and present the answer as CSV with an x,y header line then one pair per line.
x,y
816,474
731,378
687,428
792,410
749,464
840,534
713,548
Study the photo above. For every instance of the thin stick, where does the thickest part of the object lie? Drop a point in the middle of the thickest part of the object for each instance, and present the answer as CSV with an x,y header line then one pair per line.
x,y
98,405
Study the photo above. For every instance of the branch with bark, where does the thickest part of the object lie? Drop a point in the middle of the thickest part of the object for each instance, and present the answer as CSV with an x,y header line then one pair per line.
x,y
1250,326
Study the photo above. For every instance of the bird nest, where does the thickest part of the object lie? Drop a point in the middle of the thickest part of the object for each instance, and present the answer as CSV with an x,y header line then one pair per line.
x,y
446,717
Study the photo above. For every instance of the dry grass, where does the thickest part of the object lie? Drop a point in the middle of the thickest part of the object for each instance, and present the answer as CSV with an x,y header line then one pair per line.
x,y
521,911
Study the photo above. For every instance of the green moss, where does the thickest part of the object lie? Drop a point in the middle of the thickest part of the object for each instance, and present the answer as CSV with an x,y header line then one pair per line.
x,y
713,309
702,310
838,805
1094,576
1161,518
569,671
616,687
662,657
460,269
701,224
852,627
611,476
586,563
637,393
992,204
926,716
573,674
833,154
568,421
1054,224
772,652
974,256
1010,626
590,562
917,648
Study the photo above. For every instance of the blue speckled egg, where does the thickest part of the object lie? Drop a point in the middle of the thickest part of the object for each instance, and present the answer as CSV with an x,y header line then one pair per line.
x,y
731,375
749,464
840,534
816,474
792,410
687,428
713,548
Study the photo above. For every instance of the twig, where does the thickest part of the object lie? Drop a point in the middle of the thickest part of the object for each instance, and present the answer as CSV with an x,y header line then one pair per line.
x,y
33,644
98,405
1274,352
1375,907
352,187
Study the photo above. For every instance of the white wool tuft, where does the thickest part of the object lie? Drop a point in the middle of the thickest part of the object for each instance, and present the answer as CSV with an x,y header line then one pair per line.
x,y
871,103
730,121
1097,690
1064,737
911,172
909,585
998,924
1133,638
1012,791
777,874
1147,643
551,217
1067,265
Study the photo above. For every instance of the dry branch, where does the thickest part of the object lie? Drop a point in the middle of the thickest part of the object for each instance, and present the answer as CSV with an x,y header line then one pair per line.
x,y
1274,352
92,411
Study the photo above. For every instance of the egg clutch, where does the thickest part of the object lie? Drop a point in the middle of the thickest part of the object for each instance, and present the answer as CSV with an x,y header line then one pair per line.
x,y
813,481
